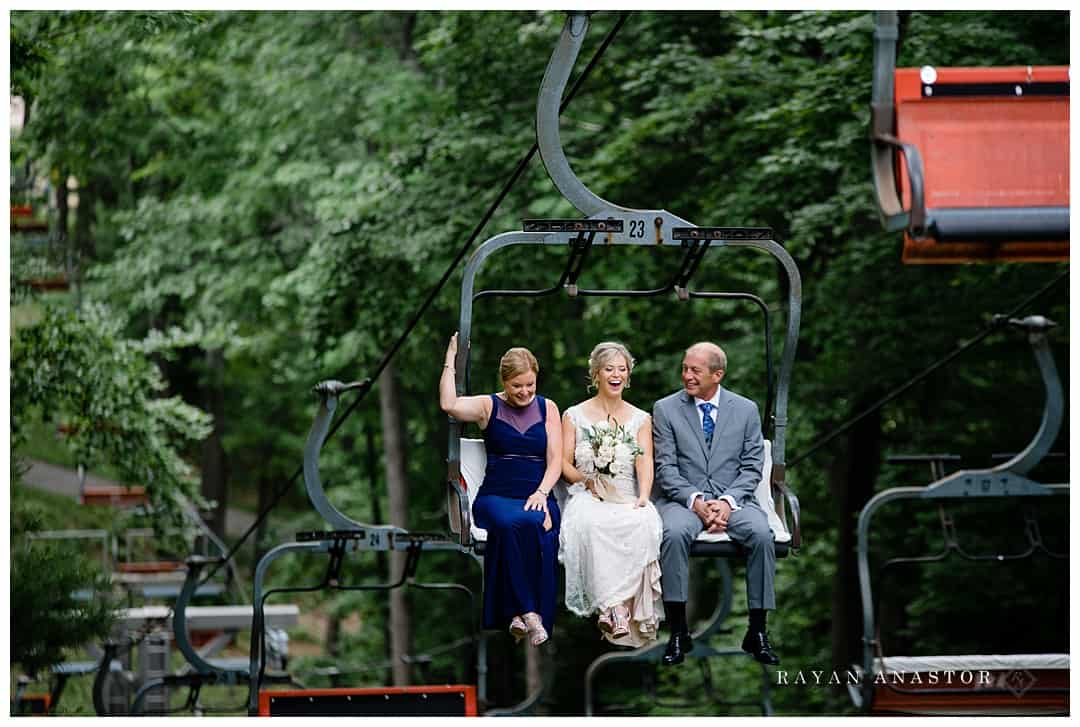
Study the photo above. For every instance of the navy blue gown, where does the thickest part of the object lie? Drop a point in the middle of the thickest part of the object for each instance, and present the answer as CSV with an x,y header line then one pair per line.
x,y
521,557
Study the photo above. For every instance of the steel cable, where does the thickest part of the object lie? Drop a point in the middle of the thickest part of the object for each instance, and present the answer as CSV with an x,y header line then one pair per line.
x,y
986,331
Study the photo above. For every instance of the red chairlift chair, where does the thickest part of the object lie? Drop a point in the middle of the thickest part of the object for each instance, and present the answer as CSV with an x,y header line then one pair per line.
x,y
973,163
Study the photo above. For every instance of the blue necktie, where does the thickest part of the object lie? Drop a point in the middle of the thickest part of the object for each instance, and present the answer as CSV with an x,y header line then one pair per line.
x,y
707,423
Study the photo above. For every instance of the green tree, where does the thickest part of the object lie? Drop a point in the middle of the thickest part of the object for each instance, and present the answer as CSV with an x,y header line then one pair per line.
x,y
80,371
47,616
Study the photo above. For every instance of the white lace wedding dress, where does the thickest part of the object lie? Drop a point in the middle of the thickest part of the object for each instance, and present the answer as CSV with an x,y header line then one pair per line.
x,y
611,551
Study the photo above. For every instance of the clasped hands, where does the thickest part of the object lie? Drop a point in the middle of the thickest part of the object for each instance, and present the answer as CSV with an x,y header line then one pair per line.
x,y
713,513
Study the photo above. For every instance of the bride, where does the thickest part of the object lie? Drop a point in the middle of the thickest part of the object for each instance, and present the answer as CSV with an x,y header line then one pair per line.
x,y
610,538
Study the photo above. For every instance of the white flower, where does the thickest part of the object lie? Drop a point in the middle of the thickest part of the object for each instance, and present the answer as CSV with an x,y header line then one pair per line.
x,y
605,453
583,456
610,449
622,467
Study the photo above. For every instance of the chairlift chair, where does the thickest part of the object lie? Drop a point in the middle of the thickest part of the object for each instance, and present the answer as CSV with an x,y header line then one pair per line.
x,y
157,579
613,225
972,163
98,493
35,232
172,581
202,669
345,536
1015,684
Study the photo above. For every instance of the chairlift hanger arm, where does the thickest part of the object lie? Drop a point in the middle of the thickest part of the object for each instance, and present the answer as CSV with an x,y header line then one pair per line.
x,y
547,120
1037,328
1009,478
195,565
328,392
883,134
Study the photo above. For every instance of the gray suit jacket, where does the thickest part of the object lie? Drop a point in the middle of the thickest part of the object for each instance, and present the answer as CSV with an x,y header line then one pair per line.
x,y
732,466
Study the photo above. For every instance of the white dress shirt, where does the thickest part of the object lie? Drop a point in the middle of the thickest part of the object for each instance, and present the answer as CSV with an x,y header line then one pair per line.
x,y
715,401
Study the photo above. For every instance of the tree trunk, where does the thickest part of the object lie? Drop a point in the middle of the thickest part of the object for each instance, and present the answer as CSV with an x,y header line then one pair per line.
x,y
381,564
372,459
215,484
63,240
406,53
265,489
62,216
84,222
332,646
398,489
83,239
851,482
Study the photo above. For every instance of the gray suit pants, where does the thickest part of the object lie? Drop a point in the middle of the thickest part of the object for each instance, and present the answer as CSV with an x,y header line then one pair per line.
x,y
747,526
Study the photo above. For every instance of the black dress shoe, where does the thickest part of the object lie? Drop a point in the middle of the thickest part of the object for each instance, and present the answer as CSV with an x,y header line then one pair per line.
x,y
756,643
678,646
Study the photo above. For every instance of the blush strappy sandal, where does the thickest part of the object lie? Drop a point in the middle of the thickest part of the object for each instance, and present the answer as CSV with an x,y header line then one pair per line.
x,y
620,617
537,633
518,629
604,622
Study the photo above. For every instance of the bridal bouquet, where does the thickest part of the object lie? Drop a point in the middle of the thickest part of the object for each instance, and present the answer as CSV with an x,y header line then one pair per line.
x,y
610,449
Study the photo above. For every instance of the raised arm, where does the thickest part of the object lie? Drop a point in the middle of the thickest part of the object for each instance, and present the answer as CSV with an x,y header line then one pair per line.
x,y
644,463
463,408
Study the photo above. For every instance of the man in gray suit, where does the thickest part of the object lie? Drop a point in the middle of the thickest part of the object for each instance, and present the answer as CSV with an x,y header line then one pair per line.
x,y
709,452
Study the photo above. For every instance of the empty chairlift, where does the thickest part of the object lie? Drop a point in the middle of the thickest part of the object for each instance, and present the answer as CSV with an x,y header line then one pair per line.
x,y
972,163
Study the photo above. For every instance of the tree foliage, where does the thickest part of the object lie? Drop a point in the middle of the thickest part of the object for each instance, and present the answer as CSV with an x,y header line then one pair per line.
x,y
47,617
79,371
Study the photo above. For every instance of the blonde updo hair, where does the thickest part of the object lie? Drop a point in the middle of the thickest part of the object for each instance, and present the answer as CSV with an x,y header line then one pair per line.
x,y
517,361
604,352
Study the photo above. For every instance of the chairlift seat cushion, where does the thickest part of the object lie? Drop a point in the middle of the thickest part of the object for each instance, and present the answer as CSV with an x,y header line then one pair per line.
x,y
995,153
209,618
236,663
172,590
75,668
474,464
970,662
113,495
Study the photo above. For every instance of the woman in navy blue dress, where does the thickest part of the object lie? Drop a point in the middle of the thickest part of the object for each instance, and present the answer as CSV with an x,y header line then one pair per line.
x,y
523,438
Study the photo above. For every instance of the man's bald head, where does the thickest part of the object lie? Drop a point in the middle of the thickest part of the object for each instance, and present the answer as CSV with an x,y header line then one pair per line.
x,y
715,355
703,369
